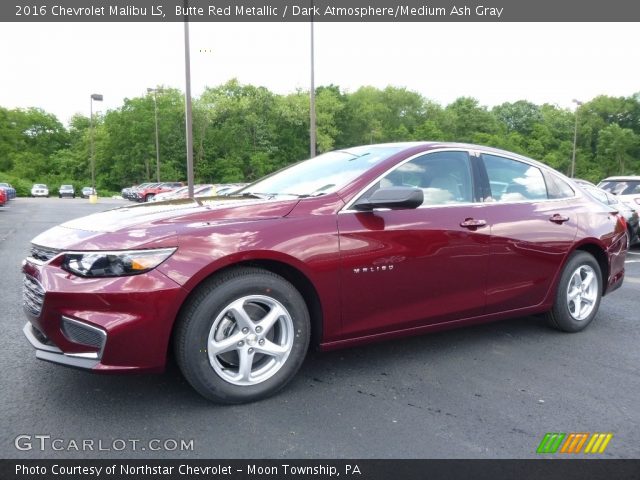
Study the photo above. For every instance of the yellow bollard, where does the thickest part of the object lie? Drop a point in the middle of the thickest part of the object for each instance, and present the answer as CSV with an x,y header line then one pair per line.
x,y
93,198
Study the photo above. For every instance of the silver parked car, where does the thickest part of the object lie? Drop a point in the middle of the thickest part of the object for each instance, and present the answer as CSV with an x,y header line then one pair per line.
x,y
86,191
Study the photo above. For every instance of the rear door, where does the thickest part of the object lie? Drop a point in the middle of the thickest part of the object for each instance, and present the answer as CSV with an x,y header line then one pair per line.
x,y
533,227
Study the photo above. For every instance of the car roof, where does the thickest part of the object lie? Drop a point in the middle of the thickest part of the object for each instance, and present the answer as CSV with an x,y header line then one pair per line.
x,y
433,145
622,178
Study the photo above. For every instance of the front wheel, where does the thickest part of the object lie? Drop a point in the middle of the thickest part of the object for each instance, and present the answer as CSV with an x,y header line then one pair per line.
x,y
579,293
242,336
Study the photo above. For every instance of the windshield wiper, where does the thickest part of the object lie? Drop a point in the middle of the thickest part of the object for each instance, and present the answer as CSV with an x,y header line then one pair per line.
x,y
248,195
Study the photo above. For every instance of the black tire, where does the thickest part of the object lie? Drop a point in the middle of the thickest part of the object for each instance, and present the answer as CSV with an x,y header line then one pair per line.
x,y
567,315
205,317
149,197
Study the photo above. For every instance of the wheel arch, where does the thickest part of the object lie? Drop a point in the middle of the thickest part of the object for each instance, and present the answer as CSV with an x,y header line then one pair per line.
x,y
293,275
600,255
591,247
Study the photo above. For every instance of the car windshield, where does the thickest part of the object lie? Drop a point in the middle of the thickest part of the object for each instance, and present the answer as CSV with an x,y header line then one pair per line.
x,y
66,187
620,187
39,185
323,174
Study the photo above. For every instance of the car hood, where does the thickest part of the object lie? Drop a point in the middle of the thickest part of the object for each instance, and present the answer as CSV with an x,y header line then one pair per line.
x,y
156,224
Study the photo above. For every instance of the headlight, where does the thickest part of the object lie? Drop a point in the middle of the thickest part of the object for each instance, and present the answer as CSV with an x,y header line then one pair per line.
x,y
114,264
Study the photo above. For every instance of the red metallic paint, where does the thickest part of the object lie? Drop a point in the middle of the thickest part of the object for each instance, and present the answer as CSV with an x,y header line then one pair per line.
x,y
443,275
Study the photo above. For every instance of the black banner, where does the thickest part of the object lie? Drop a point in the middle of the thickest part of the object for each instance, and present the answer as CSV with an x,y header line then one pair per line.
x,y
319,11
320,469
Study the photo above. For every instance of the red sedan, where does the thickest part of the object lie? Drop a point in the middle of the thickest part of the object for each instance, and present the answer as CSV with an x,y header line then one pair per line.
x,y
350,247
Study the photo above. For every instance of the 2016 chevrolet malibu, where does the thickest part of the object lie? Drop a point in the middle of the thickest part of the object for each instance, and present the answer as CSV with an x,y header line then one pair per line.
x,y
352,246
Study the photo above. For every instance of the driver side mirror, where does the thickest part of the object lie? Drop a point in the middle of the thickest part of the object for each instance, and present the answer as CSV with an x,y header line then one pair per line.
x,y
394,198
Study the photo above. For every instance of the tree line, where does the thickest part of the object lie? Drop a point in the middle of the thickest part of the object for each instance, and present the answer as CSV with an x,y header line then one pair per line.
x,y
242,132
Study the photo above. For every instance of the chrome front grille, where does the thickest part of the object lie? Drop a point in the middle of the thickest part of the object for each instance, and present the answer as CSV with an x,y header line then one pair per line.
x,y
43,254
32,295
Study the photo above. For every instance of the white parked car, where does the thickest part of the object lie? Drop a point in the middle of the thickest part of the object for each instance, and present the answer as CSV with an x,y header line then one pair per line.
x,y
627,188
39,190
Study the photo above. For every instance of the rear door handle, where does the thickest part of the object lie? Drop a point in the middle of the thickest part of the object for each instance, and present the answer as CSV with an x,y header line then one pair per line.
x,y
472,223
559,219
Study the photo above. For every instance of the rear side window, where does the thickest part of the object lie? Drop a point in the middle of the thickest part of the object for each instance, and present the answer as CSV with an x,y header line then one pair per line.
x,y
556,187
513,181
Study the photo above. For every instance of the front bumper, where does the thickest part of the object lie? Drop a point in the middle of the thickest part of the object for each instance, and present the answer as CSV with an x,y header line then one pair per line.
x,y
51,353
107,325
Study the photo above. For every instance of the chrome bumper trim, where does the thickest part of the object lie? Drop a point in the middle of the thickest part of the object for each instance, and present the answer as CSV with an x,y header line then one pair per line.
x,y
53,354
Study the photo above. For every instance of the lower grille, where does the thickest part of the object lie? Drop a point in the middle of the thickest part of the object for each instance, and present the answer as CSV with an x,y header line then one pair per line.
x,y
32,295
82,333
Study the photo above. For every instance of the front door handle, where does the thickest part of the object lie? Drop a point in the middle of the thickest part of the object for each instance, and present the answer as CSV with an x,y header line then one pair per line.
x,y
472,223
559,219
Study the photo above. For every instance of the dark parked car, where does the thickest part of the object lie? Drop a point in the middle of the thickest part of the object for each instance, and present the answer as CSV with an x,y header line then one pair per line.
x,y
350,247
67,191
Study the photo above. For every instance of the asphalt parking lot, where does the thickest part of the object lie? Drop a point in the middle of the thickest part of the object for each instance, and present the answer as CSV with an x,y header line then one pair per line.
x,y
491,391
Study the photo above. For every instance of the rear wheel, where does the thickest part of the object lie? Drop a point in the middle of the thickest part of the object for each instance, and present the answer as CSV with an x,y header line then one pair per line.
x,y
242,336
149,197
579,293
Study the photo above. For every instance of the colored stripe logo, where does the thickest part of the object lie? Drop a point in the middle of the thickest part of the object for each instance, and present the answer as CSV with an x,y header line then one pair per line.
x,y
574,442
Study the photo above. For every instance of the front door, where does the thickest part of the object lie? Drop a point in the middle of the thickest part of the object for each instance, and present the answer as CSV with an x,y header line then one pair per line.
x,y
407,268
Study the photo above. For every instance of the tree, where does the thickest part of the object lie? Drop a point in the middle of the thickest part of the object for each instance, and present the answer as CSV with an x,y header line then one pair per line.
x,y
465,119
520,116
614,147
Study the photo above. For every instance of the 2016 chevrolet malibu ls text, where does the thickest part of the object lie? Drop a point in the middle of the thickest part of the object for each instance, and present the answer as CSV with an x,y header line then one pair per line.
x,y
349,247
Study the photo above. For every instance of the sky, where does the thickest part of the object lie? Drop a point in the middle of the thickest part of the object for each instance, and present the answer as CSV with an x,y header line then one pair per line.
x,y
57,66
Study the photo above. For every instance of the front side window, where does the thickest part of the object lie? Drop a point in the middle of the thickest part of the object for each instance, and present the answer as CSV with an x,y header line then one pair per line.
x,y
443,177
513,181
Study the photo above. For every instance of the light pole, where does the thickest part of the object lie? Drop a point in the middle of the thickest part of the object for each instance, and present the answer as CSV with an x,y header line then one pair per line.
x,y
187,101
312,97
98,98
575,138
155,113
